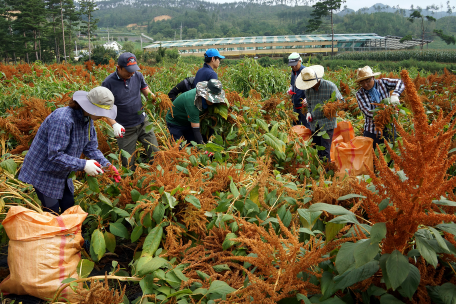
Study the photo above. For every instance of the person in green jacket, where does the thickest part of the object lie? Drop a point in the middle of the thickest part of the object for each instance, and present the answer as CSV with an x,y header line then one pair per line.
x,y
184,121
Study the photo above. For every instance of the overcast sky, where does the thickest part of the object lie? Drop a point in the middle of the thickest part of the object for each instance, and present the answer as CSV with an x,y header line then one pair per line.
x,y
357,4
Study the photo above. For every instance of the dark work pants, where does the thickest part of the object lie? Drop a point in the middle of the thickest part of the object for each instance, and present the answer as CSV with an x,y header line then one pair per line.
x,y
53,204
181,131
378,139
301,119
326,143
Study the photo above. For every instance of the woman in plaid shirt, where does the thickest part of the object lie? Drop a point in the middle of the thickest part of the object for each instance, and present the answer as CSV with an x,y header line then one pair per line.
x,y
374,91
61,139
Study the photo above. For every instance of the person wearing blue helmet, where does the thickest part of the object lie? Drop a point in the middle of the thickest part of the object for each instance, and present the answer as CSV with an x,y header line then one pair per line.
x,y
212,60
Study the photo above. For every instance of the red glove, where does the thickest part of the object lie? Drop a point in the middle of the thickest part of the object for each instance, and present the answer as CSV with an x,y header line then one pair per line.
x,y
210,154
117,178
290,92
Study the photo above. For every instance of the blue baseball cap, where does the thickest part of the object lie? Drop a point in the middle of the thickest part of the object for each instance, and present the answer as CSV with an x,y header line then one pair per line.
x,y
213,53
128,61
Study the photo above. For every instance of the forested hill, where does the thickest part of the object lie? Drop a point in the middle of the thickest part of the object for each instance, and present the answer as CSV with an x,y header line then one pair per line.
x,y
200,19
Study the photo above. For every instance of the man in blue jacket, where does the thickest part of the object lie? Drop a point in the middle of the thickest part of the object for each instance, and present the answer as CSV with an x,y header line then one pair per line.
x,y
298,96
212,60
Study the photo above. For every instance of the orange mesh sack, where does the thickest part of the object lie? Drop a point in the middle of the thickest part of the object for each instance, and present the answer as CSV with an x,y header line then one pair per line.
x,y
344,129
353,155
43,250
302,131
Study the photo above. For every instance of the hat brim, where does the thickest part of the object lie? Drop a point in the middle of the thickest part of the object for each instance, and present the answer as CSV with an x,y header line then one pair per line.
x,y
203,91
81,98
293,63
368,76
132,68
305,85
221,57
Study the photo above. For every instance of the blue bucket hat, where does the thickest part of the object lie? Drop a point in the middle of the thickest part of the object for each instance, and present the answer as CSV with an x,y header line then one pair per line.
x,y
213,53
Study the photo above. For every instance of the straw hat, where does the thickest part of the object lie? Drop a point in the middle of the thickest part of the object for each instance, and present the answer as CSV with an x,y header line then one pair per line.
x,y
309,76
99,102
366,72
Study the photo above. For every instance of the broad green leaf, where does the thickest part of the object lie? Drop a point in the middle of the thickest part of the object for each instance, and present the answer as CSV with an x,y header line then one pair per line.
x,y
234,189
274,142
333,209
365,252
349,196
450,228
147,284
220,287
227,243
262,124
331,230
307,218
65,281
110,241
328,287
254,195
93,184
426,250
158,213
390,299
448,293
356,275
9,165
410,285
444,202
172,279
222,110
345,257
152,241
136,233
202,275
439,239
147,264
194,201
98,243
211,147
121,212
104,200
383,204
302,297
397,267
344,219
119,230
135,195
84,268
378,232
221,267
180,292
179,274
275,130
125,154
169,200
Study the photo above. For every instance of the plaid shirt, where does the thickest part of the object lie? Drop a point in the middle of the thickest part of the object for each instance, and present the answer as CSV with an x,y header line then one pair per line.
x,y
56,151
315,98
383,86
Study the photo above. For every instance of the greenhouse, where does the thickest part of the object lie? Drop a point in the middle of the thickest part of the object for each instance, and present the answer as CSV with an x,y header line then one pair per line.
x,y
236,46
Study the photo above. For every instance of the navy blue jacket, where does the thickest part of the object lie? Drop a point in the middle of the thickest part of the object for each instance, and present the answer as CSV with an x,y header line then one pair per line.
x,y
300,95
206,73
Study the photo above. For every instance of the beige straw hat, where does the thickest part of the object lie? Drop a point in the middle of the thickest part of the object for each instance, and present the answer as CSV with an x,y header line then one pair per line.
x,y
309,76
366,72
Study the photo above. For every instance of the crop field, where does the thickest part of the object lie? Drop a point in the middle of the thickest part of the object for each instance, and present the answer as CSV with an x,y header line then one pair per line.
x,y
420,55
263,220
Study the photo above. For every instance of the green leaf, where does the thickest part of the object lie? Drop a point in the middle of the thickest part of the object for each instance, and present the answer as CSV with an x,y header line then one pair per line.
x,y
356,275
378,232
93,184
211,147
147,284
159,212
274,142
98,243
349,196
194,201
447,293
104,200
147,264
9,165
136,233
302,297
227,243
121,212
328,287
119,230
152,241
110,241
450,228
308,219
262,124
65,281
439,239
333,209
220,287
221,267
202,275
410,285
365,252
383,204
234,189
84,268
344,219
426,250
135,195
397,267
172,279
180,275
345,257
390,299
444,202
331,230
169,200
180,292
125,154
222,110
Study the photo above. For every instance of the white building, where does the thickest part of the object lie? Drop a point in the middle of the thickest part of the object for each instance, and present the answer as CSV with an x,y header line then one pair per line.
x,y
114,45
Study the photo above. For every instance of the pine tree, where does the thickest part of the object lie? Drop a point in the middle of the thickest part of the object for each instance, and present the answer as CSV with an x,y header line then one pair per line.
x,y
87,8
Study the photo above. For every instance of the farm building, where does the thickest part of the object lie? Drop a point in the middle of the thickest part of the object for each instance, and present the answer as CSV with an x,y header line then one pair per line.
x,y
236,46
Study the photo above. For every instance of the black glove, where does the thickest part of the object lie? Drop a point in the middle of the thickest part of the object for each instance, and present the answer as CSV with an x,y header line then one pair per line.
x,y
198,136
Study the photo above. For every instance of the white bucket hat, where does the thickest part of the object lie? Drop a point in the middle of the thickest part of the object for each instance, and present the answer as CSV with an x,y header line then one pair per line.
x,y
99,102
366,72
309,76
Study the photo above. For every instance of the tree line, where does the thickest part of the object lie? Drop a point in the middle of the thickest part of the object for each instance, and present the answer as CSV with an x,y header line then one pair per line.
x,y
43,30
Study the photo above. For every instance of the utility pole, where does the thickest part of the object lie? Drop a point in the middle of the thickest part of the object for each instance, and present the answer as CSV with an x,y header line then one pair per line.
x,y
181,32
108,34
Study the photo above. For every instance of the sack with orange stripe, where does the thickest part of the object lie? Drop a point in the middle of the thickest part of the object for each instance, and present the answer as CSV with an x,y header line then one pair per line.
x,y
352,157
43,250
344,129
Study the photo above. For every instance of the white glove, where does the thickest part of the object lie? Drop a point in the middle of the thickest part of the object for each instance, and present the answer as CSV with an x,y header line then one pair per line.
x,y
309,117
119,130
304,102
290,91
394,100
92,167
